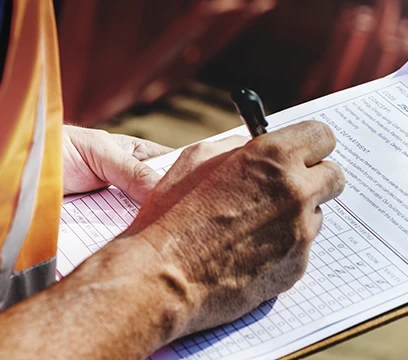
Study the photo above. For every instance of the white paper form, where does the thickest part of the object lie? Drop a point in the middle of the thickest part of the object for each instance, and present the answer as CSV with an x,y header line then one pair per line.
x,y
359,262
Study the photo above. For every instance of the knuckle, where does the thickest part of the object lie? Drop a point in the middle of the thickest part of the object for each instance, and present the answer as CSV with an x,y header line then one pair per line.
x,y
102,132
98,133
237,139
302,193
141,171
299,193
274,148
139,147
282,151
280,146
197,149
98,138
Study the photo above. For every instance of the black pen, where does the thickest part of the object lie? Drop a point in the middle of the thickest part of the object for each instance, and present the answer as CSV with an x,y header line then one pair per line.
x,y
250,108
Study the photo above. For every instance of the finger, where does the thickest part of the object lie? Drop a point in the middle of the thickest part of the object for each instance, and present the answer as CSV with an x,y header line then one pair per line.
x,y
312,141
139,148
328,182
128,174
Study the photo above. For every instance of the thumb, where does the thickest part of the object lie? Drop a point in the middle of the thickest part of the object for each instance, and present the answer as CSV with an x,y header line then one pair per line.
x,y
129,175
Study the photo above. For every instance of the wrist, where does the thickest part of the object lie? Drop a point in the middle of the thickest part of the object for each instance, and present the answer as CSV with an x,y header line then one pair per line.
x,y
157,291
174,298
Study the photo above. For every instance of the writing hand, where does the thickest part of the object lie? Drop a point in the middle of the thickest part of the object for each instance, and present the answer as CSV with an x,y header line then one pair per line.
x,y
233,223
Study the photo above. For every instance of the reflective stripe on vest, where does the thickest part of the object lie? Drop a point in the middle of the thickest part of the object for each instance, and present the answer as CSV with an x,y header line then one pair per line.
x,y
24,210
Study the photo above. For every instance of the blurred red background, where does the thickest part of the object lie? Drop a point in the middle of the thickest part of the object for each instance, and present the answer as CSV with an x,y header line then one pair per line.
x,y
118,54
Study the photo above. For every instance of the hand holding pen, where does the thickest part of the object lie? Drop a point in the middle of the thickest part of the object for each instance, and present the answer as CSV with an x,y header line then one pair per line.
x,y
238,217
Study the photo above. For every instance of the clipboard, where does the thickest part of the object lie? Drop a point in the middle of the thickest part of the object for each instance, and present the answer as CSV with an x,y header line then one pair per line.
x,y
351,333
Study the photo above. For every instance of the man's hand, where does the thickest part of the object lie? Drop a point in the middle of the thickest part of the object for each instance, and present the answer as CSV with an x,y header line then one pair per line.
x,y
233,224
94,159
228,227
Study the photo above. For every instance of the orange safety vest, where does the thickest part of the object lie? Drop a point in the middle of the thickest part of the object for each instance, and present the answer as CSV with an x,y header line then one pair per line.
x,y
30,153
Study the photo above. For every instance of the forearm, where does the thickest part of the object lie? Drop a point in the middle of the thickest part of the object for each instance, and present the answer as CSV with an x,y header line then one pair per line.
x,y
121,303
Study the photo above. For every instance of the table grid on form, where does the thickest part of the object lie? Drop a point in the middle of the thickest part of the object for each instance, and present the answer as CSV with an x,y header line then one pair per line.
x,y
90,222
343,270
86,226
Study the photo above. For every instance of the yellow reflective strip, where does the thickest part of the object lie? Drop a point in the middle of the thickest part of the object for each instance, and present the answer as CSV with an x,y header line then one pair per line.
x,y
26,201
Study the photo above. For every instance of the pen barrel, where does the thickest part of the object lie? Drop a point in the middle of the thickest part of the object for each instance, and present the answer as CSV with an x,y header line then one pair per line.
x,y
256,131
